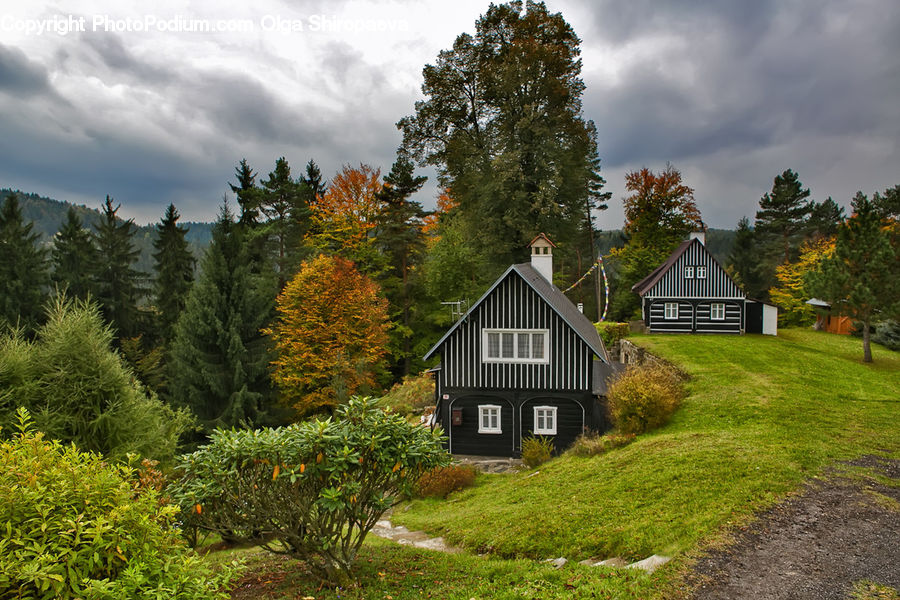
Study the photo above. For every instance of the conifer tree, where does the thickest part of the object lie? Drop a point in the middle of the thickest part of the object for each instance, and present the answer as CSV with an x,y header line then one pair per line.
x,y
118,285
825,218
400,238
218,359
860,279
174,268
74,257
781,223
247,193
743,262
284,203
23,268
315,184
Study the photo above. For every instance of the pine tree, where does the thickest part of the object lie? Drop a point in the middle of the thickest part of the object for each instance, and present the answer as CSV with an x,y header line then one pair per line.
x,y
781,222
118,285
74,257
400,238
218,357
825,218
743,262
315,184
174,268
23,268
860,278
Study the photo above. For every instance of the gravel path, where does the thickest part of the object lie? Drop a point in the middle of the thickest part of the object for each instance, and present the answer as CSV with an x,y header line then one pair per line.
x,y
814,546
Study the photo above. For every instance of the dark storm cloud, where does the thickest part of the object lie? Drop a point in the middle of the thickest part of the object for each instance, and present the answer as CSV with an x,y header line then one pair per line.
x,y
19,75
738,77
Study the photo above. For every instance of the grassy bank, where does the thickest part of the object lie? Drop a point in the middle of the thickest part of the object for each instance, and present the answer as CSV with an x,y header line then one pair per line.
x,y
763,414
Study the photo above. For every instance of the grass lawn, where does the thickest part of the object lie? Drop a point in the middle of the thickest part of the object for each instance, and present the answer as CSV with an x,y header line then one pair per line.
x,y
762,415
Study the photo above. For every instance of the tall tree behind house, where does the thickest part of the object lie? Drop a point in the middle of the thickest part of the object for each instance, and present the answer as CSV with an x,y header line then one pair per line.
x,y
23,268
502,122
781,223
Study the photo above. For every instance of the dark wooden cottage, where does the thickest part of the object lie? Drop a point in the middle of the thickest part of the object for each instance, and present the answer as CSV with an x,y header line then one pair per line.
x,y
522,361
691,293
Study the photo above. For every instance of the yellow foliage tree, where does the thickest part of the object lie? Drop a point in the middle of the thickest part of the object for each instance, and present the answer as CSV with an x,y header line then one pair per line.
x,y
790,294
330,335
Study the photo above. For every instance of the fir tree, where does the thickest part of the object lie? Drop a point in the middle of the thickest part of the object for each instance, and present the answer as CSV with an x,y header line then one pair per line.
x,y
314,182
174,268
118,285
74,257
247,193
860,278
284,203
218,358
743,262
23,268
400,238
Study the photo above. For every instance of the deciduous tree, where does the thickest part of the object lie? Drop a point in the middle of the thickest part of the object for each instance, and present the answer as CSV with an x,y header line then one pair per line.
x,y
790,293
330,335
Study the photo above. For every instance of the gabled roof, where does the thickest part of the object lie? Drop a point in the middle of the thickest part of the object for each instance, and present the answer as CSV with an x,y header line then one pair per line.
x,y
563,307
541,236
650,280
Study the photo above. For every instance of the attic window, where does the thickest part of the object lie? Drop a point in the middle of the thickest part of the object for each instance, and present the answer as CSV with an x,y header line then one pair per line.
x,y
515,345
689,272
701,272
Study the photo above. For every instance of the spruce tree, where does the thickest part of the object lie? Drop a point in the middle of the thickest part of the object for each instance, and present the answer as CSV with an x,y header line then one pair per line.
x,y
74,257
401,239
174,268
247,193
743,262
218,361
284,203
118,285
23,268
315,184
860,279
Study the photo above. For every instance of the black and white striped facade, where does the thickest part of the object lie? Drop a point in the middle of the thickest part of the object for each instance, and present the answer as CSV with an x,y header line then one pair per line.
x,y
557,375
691,293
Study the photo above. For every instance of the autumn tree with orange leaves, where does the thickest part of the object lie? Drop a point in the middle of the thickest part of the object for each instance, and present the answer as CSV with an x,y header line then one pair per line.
x,y
344,217
330,335
659,213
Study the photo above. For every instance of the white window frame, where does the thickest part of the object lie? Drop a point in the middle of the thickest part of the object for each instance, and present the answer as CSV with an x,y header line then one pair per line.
x,y
485,410
714,308
515,358
701,272
670,315
689,272
548,411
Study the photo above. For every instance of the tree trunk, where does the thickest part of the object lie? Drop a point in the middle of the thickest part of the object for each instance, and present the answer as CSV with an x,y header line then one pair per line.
x,y
867,347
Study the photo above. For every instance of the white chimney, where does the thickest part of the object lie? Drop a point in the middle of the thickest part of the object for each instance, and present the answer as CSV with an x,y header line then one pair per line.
x,y
542,256
698,235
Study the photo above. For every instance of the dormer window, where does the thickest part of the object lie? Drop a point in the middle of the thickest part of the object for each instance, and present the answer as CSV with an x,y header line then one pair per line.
x,y
689,272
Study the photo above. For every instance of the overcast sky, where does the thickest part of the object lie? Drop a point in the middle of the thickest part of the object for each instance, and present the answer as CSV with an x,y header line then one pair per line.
x,y
97,98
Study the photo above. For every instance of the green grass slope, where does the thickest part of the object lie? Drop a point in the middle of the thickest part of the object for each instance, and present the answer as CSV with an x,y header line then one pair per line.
x,y
762,415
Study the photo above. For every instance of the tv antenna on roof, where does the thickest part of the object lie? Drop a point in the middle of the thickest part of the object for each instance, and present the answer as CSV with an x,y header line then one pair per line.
x,y
457,308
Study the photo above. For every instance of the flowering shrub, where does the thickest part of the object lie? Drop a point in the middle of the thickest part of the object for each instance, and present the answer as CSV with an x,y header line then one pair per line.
x,y
313,489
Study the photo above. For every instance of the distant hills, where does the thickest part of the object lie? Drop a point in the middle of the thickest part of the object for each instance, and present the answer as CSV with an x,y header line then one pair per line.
x,y
48,215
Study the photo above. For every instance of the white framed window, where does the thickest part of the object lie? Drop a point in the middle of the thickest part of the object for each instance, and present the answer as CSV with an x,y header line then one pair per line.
x,y
717,311
489,418
545,420
689,272
701,272
515,345
671,310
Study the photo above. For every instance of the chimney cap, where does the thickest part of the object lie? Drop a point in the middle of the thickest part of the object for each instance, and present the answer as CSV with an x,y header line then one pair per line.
x,y
541,240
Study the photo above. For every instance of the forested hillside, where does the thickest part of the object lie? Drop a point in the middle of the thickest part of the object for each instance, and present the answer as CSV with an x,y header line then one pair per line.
x,y
48,215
